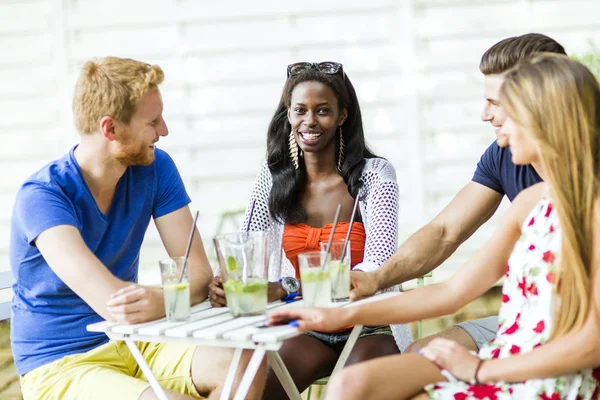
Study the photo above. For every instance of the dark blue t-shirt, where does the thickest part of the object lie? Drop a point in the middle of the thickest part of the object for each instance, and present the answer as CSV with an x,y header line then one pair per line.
x,y
496,170
48,319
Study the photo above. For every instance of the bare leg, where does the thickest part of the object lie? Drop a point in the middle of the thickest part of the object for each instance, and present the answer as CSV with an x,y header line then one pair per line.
x,y
392,377
307,359
210,366
455,333
369,347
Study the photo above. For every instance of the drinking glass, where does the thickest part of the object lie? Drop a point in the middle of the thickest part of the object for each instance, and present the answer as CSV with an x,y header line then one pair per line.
x,y
176,288
339,269
243,264
316,284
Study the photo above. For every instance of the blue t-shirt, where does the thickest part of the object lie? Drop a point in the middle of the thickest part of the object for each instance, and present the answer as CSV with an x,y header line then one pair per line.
x,y
48,319
496,170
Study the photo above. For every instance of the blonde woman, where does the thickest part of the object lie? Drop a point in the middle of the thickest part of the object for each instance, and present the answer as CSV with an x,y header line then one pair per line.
x,y
547,247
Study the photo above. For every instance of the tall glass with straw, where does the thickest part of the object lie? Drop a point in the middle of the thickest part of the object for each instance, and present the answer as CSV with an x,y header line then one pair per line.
x,y
315,273
340,262
176,282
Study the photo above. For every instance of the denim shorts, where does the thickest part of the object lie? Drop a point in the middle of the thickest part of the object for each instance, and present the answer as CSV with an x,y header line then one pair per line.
x,y
337,340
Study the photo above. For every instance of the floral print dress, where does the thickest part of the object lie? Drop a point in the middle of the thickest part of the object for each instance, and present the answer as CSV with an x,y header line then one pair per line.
x,y
526,319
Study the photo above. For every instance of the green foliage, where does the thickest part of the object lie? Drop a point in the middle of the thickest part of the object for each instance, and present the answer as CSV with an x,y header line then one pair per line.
x,y
590,59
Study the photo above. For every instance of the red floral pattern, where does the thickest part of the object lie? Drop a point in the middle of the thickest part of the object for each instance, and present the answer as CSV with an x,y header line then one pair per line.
x,y
539,328
553,396
549,257
525,318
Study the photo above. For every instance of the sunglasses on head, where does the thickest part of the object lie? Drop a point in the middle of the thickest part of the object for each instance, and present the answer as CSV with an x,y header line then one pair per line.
x,y
325,67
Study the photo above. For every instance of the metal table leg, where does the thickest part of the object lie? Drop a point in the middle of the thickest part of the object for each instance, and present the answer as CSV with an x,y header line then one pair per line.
x,y
283,375
347,349
235,362
345,353
250,373
158,390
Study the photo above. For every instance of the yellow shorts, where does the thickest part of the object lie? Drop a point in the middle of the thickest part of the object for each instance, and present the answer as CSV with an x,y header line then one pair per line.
x,y
110,372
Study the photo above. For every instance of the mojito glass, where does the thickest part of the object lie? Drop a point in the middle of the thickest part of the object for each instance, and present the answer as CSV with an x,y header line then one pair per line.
x,y
339,269
176,288
243,265
316,283
245,299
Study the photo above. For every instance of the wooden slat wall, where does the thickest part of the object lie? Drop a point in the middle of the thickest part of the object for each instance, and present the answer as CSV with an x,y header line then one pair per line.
x,y
414,65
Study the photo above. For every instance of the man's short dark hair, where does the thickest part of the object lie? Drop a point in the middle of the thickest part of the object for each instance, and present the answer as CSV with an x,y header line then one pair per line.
x,y
508,52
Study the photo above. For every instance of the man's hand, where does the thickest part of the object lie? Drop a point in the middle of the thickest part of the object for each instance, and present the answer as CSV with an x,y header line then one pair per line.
x,y
451,356
311,319
364,284
216,294
134,304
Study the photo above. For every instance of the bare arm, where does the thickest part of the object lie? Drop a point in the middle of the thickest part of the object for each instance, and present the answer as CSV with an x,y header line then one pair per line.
x,y
472,280
174,229
567,354
435,242
81,270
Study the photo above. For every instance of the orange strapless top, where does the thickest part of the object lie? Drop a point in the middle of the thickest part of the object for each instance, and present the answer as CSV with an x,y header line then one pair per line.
x,y
300,238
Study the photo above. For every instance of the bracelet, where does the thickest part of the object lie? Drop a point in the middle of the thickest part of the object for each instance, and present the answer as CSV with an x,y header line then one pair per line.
x,y
479,364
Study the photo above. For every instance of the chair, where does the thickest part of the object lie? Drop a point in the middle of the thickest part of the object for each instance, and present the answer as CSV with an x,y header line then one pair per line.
x,y
421,283
5,284
232,217
325,380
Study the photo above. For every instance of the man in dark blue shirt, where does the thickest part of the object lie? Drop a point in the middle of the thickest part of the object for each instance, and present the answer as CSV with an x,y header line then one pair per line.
x,y
495,170
496,175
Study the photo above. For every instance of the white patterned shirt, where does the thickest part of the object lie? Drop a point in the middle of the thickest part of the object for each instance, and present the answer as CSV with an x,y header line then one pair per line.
x,y
379,210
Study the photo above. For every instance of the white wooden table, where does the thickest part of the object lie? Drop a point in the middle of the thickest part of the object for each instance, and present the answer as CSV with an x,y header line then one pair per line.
x,y
210,326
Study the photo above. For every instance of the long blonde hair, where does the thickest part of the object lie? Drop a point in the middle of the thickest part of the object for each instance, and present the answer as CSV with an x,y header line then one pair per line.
x,y
556,101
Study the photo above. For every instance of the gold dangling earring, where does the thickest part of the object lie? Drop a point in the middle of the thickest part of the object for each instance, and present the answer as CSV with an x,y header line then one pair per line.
x,y
293,150
341,153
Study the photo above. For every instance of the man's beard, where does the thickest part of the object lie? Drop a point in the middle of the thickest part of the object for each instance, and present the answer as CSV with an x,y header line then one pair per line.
x,y
130,155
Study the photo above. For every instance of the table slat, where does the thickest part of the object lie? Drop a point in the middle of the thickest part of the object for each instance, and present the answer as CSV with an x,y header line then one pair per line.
x,y
101,326
158,329
186,329
215,332
275,334
116,327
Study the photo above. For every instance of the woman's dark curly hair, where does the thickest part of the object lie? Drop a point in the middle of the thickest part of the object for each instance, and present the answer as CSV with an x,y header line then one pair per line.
x,y
288,182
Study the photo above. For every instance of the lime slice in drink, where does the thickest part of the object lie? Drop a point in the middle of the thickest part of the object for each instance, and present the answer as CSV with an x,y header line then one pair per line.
x,y
338,266
253,285
178,286
232,265
314,275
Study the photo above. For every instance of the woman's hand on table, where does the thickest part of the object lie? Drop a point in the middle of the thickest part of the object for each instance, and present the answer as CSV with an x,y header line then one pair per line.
x,y
216,293
311,319
134,304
